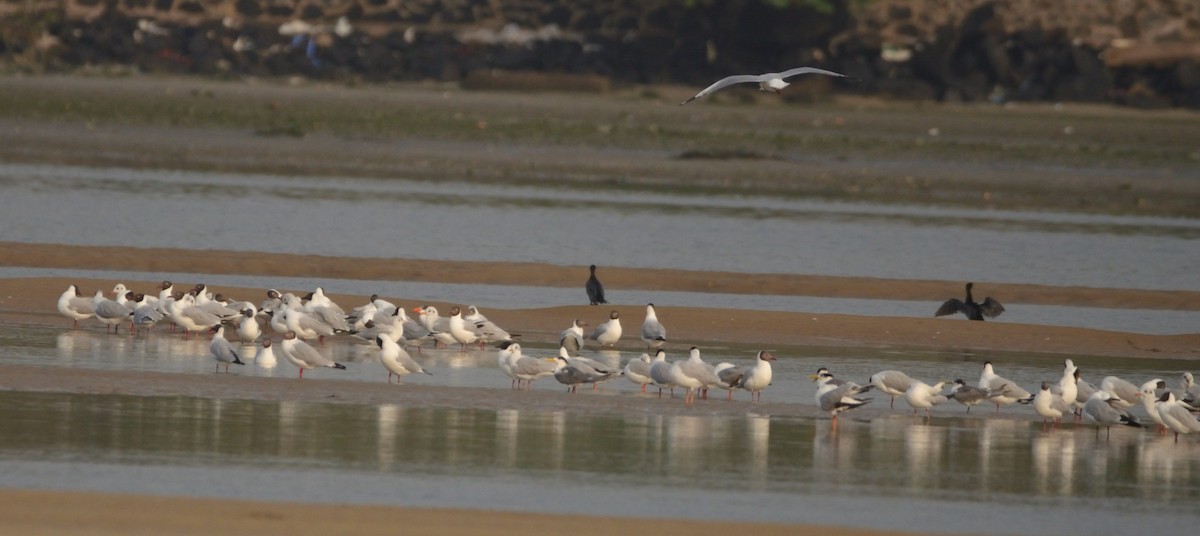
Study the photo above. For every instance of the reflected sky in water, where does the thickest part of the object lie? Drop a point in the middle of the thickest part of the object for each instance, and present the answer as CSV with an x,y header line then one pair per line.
x,y
579,226
954,474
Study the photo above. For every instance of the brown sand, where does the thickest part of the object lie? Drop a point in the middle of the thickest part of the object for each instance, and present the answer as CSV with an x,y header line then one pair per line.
x,y
39,513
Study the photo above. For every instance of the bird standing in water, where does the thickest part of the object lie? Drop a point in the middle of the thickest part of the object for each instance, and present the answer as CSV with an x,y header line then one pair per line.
x,y
595,290
974,311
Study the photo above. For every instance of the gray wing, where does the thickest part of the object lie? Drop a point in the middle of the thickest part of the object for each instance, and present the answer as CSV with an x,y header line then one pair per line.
x,y
731,376
1057,402
408,363
728,81
331,317
302,351
111,309
146,314
699,372
309,323
531,366
653,331
81,305
223,352
200,316
1184,416
1125,390
600,329
637,366
892,379
991,308
808,70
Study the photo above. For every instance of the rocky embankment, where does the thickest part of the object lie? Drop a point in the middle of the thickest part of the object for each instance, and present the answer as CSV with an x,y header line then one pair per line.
x,y
1143,53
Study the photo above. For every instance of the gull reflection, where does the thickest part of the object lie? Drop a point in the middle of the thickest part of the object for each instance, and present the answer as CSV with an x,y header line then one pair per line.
x,y
686,439
386,418
506,437
1054,456
924,450
758,435
557,425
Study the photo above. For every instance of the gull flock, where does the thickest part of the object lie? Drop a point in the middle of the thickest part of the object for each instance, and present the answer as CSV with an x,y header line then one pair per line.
x,y
243,331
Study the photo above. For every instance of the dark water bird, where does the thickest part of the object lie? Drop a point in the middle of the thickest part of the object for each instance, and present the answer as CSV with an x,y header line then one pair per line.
x,y
974,311
594,289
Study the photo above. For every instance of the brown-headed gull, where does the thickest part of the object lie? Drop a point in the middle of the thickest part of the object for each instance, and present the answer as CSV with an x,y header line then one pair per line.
x,y
595,290
395,359
265,356
302,355
774,82
1050,406
186,315
73,305
110,312
462,332
248,329
572,337
653,332
660,372
973,311
222,351
757,377
608,333
1101,409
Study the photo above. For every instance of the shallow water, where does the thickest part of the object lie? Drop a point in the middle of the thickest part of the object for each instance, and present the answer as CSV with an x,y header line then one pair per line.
x,y
958,472
451,220
950,475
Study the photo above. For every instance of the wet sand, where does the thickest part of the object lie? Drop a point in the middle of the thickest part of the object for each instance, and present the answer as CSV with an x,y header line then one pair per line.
x,y
47,513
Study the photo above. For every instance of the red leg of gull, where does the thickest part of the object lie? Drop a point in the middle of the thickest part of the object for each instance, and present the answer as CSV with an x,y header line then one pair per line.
x,y
730,395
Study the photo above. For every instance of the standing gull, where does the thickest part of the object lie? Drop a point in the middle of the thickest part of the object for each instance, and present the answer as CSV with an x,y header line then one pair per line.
x,y
774,82
653,332
891,382
660,372
74,306
637,370
1050,406
110,312
921,395
223,351
757,377
304,356
1004,392
1175,416
595,290
608,333
397,362
1100,408
973,311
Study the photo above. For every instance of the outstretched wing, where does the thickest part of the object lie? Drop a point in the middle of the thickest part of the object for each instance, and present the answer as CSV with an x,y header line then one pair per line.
x,y
809,70
991,308
952,305
728,81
